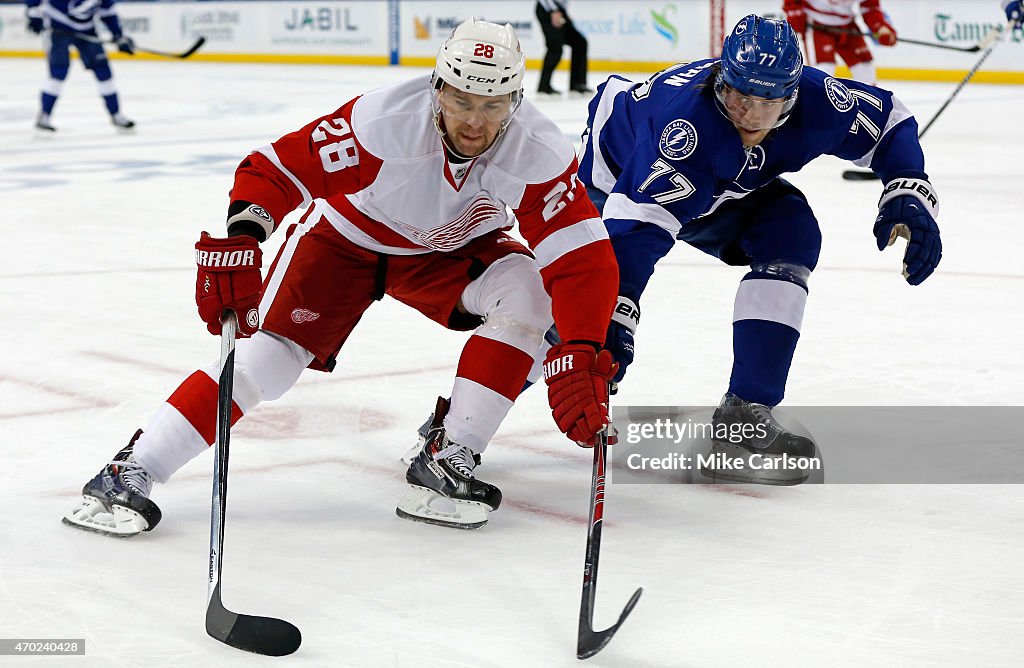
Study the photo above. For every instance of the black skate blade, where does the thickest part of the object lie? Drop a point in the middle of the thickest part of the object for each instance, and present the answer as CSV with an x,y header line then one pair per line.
x,y
109,534
268,636
440,523
590,642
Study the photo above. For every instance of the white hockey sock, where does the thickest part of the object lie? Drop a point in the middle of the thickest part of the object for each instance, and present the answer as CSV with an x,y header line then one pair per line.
x,y
475,414
167,443
864,72
266,366
498,357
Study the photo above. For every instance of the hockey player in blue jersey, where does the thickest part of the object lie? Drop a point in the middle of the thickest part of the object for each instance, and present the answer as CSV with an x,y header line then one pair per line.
x,y
1014,12
73,23
695,153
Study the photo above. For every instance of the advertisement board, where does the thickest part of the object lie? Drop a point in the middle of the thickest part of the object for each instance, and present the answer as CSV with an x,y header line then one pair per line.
x,y
638,35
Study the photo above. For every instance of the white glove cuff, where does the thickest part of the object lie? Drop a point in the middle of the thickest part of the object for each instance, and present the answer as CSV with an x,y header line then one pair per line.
x,y
626,313
918,188
254,214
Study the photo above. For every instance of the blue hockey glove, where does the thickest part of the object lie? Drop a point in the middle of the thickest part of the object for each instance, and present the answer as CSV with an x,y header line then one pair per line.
x,y
35,24
908,208
1015,12
619,341
125,44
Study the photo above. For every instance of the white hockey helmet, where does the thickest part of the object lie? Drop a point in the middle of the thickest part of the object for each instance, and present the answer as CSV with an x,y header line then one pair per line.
x,y
481,58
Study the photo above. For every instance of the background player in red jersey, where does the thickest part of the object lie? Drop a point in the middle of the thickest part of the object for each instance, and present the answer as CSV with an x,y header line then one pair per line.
x,y
828,28
405,192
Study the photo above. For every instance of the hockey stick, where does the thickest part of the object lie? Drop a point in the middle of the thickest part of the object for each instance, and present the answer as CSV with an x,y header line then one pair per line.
x,y
262,635
165,54
588,641
989,43
846,31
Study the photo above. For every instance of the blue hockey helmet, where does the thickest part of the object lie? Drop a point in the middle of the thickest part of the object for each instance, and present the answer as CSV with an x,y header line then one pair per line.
x,y
761,57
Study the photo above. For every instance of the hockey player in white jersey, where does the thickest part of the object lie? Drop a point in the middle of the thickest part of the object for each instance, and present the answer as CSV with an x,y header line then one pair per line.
x,y
404,191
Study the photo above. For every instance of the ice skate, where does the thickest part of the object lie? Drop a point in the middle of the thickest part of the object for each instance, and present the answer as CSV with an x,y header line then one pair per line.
x,y
44,124
421,439
121,123
442,487
767,452
116,502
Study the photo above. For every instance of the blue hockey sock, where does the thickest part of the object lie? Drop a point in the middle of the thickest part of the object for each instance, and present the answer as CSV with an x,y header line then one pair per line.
x,y
766,327
762,354
48,102
112,104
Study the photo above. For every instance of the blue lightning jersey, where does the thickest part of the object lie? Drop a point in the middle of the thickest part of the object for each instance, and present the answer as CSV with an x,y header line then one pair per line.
x,y
666,154
77,16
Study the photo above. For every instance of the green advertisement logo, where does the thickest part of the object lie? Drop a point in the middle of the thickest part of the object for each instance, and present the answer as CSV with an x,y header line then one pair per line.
x,y
663,26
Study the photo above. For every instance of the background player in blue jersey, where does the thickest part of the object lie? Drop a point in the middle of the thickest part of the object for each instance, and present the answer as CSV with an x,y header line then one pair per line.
x,y
73,22
695,153
1014,11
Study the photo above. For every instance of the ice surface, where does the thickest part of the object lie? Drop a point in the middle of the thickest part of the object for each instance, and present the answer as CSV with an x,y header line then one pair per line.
x,y
98,326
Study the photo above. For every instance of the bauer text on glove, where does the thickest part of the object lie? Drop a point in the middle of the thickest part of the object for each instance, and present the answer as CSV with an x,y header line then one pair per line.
x,y
908,209
619,339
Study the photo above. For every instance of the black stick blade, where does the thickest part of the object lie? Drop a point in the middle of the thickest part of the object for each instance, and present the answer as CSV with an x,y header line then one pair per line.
x,y
195,47
590,642
261,635
167,54
859,175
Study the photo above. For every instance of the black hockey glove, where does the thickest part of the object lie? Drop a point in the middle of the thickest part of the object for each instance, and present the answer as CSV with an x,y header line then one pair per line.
x,y
125,44
908,208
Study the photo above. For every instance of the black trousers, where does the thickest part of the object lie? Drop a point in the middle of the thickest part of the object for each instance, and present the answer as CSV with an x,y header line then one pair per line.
x,y
557,38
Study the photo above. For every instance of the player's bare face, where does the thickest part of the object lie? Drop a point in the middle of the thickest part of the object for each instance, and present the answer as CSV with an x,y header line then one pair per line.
x,y
472,122
754,117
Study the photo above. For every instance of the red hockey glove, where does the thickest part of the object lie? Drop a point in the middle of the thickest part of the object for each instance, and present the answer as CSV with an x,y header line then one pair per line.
x,y
229,278
577,376
886,36
882,29
795,15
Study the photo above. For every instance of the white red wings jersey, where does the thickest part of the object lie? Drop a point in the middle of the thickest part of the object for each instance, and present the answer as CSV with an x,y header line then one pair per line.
x,y
377,171
834,12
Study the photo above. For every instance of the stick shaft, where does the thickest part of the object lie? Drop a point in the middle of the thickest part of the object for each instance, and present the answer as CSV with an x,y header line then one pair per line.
x,y
220,461
990,41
